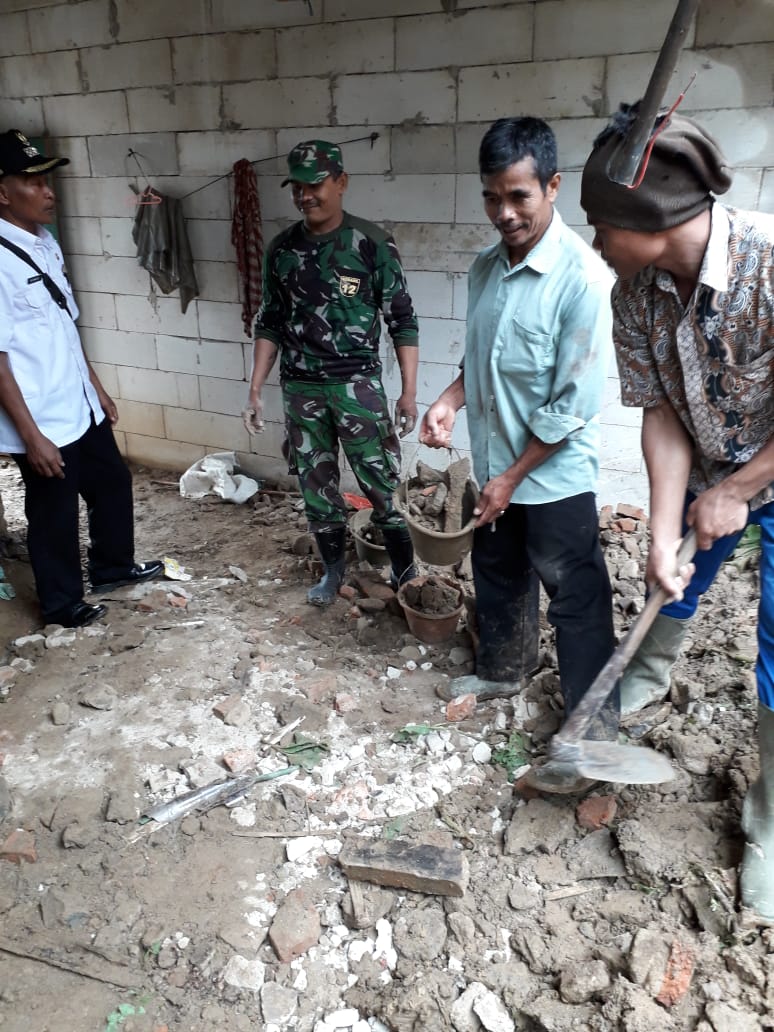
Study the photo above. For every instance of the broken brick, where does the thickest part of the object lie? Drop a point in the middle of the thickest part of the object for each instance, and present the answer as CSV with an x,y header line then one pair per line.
x,y
405,865
596,812
605,516
348,592
461,708
524,787
377,589
625,525
296,927
20,845
677,976
229,709
238,760
636,513
153,601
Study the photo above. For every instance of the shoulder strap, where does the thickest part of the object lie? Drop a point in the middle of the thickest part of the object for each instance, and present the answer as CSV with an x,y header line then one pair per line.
x,y
56,294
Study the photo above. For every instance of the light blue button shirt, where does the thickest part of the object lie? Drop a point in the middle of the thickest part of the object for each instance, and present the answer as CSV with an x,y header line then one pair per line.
x,y
538,347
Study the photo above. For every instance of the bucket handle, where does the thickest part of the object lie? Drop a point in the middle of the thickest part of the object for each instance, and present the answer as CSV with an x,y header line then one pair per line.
x,y
412,464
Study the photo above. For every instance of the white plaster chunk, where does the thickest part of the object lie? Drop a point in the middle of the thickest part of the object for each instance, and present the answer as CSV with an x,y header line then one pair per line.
x,y
492,1013
299,847
243,973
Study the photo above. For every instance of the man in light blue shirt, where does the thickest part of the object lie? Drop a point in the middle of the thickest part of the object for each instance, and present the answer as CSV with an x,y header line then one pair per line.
x,y
536,356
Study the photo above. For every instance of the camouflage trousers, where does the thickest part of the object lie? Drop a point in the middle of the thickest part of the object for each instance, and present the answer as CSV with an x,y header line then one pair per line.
x,y
319,418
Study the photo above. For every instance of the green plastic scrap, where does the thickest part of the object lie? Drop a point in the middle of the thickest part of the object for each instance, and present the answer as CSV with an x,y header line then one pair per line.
x,y
305,752
117,1017
411,732
6,588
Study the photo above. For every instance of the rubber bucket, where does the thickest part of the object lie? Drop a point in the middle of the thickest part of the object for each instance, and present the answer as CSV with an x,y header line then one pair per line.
x,y
366,550
433,546
430,628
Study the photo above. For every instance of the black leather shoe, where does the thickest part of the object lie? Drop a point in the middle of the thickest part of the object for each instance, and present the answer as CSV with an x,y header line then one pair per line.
x,y
139,572
79,614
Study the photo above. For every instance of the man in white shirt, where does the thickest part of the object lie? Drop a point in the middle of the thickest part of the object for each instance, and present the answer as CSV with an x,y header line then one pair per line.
x,y
56,418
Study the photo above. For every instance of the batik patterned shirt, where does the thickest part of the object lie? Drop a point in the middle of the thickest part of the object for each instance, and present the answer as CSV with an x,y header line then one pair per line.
x,y
712,360
324,296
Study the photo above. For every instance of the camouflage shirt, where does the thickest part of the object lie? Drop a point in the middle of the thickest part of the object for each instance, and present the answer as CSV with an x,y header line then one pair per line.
x,y
322,296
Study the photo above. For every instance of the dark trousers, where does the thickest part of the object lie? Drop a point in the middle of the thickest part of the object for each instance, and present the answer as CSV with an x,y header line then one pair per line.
x,y
95,471
558,541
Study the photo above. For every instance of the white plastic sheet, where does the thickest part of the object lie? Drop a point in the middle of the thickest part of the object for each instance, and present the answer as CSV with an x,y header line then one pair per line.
x,y
214,474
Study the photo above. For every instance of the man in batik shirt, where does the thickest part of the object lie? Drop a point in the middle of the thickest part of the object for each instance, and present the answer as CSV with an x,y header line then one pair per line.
x,y
693,313
327,279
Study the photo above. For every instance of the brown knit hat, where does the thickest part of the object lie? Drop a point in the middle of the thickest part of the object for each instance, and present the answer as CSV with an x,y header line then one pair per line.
x,y
685,168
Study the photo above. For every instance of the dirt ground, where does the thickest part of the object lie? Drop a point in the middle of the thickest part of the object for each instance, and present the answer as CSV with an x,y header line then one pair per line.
x,y
613,910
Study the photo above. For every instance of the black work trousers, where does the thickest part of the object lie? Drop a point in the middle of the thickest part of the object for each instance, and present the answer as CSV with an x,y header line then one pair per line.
x,y
95,471
558,541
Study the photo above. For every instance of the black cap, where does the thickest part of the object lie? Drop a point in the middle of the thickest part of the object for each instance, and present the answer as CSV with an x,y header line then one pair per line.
x,y
19,157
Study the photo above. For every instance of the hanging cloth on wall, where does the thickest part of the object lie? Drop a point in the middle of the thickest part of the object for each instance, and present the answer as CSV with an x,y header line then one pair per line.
x,y
247,238
163,248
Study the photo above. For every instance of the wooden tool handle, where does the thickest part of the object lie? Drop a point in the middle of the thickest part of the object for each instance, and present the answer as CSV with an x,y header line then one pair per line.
x,y
595,698
625,163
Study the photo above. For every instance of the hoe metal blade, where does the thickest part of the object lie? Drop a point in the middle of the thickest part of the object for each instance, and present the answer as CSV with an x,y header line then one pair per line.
x,y
608,761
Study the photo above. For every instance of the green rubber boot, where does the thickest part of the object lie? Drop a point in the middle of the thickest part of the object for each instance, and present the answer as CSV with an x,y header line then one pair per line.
x,y
331,544
646,679
757,875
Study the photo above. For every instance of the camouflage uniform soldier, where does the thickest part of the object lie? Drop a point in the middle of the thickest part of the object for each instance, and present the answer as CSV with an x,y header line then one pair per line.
x,y
326,279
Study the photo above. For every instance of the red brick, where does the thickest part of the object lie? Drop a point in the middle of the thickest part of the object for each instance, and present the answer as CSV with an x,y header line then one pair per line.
x,y
525,788
677,976
596,812
295,928
461,708
238,760
636,513
20,845
605,516
223,708
348,592
377,589
152,602
626,525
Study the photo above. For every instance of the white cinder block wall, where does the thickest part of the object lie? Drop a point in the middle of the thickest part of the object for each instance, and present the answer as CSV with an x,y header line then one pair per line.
x,y
194,85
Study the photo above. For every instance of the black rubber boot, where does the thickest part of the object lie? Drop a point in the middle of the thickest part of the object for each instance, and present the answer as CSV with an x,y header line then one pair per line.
x,y
331,544
397,541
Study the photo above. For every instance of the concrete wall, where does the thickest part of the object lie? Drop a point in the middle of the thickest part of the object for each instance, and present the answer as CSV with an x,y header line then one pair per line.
x,y
194,85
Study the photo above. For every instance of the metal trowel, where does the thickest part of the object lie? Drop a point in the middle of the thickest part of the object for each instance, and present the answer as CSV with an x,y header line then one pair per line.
x,y
571,756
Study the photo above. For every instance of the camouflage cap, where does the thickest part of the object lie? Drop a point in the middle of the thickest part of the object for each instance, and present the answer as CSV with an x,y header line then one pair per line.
x,y
312,161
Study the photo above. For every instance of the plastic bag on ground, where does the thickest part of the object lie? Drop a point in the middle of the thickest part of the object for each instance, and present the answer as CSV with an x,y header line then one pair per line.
x,y
214,474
